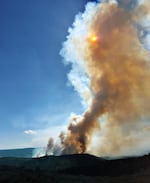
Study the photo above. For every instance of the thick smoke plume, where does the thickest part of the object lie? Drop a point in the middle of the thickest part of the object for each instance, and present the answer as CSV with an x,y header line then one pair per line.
x,y
108,47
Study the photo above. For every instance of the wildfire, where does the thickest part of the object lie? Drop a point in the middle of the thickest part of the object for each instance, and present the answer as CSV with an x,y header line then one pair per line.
x,y
93,38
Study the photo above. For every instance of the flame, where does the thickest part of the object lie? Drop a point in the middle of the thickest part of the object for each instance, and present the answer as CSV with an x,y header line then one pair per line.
x,y
93,38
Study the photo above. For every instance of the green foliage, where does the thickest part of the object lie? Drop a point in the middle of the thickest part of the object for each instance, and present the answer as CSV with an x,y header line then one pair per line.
x,y
74,169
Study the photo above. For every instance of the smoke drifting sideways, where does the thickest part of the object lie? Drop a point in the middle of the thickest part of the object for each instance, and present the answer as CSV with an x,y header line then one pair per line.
x,y
112,76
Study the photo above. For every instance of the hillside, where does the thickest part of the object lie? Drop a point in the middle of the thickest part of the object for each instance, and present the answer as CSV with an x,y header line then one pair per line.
x,y
25,152
75,168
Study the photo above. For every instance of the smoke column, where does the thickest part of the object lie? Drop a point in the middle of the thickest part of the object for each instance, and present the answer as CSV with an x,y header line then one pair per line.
x,y
108,48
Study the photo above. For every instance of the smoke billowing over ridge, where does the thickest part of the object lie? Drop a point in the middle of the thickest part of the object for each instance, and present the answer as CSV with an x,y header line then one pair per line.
x,y
108,48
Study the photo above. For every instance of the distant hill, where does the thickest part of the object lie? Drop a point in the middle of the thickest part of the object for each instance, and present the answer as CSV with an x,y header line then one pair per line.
x,y
26,153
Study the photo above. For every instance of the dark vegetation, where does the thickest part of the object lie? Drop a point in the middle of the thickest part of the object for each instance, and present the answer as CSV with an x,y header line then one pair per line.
x,y
75,168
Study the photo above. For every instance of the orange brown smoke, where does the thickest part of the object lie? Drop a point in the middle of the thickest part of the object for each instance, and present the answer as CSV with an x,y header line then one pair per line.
x,y
115,70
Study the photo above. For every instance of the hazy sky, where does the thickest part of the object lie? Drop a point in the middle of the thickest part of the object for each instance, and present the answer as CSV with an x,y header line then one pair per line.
x,y
36,99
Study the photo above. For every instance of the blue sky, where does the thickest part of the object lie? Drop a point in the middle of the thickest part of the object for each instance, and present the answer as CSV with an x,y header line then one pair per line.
x,y
34,94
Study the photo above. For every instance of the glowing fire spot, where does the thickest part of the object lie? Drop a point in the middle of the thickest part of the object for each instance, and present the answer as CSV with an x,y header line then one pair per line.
x,y
93,38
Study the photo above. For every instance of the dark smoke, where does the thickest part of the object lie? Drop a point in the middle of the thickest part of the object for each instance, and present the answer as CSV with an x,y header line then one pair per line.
x,y
112,75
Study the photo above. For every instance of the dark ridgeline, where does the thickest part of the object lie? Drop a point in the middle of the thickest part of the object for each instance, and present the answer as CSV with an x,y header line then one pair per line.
x,y
76,167
80,164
